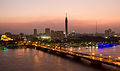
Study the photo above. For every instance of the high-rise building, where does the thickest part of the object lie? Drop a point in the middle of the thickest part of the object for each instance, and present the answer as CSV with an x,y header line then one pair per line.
x,y
35,32
47,31
66,27
57,35
108,32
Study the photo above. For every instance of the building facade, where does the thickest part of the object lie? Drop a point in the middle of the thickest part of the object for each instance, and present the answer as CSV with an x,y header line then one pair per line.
x,y
57,35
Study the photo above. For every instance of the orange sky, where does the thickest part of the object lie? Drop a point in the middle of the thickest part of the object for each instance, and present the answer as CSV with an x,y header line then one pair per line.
x,y
25,15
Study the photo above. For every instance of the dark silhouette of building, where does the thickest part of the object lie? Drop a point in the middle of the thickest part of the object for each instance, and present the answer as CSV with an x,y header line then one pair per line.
x,y
66,27
57,35
47,31
35,32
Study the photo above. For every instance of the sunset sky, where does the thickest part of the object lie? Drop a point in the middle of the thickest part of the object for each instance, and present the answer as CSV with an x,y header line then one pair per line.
x,y
24,15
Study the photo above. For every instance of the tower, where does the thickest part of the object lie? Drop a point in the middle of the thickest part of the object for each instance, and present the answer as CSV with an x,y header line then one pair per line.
x,y
66,27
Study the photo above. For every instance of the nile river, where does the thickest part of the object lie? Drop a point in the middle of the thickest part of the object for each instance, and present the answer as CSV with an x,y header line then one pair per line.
x,y
114,51
36,60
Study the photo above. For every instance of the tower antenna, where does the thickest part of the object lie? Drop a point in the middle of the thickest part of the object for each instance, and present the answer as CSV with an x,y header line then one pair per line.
x,y
96,27
66,14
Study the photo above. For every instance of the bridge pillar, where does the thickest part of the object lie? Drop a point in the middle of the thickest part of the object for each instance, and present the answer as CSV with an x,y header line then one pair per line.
x,y
44,49
52,51
76,58
38,48
96,63
62,54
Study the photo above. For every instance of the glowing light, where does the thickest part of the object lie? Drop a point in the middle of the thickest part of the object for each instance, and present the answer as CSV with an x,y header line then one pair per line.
x,y
101,55
58,47
100,44
86,47
109,56
115,35
101,59
93,53
5,38
25,39
36,42
45,37
119,58
93,57
71,49
106,37
96,47
4,48
62,47
55,47
77,54
48,45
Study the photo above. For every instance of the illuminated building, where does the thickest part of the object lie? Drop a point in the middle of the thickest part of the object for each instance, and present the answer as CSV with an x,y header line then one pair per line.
x,y
108,32
5,38
44,37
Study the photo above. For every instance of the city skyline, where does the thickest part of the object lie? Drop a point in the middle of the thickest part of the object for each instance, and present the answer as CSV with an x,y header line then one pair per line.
x,y
26,15
60,35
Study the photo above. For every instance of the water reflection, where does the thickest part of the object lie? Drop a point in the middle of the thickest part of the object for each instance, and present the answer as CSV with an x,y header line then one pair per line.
x,y
34,60
114,48
5,50
106,51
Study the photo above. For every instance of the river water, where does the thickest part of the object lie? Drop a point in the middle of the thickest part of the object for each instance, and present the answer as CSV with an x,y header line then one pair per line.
x,y
114,51
36,60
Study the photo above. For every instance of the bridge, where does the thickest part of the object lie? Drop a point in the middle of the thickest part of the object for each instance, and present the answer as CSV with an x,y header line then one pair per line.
x,y
95,60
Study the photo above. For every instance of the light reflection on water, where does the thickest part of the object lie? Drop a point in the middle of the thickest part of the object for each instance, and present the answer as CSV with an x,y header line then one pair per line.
x,y
106,51
35,60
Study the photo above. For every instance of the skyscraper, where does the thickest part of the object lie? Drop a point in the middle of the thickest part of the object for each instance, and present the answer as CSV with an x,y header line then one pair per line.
x,y
35,32
66,27
47,31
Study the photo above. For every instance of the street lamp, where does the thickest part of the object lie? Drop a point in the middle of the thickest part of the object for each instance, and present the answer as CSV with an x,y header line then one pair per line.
x,y
79,49
109,56
119,58
101,55
93,53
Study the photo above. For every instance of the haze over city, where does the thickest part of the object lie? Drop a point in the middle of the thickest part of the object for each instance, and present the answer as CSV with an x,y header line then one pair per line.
x,y
59,35
24,15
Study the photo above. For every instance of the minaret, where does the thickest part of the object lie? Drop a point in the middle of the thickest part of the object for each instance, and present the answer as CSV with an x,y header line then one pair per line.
x,y
66,27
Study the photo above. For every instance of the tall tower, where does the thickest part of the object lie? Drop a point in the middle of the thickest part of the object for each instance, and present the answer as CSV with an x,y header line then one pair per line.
x,y
66,27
